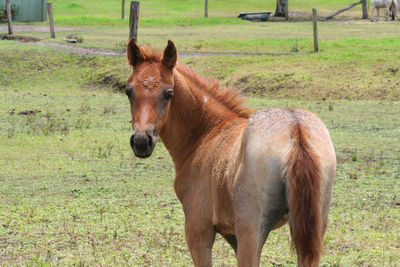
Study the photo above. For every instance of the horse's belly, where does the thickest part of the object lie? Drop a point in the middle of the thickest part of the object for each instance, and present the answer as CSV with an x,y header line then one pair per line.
x,y
223,218
281,222
226,229
381,3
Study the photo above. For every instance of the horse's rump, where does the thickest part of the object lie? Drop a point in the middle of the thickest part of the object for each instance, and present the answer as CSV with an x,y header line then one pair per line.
x,y
281,156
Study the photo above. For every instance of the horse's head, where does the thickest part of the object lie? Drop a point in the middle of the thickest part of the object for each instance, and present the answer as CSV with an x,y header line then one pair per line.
x,y
150,89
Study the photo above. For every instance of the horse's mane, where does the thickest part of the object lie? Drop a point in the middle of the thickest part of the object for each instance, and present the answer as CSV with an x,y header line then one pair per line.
x,y
229,97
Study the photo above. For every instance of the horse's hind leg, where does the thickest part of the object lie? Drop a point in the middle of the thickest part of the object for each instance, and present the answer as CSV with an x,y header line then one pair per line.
x,y
260,203
251,234
387,13
250,241
394,11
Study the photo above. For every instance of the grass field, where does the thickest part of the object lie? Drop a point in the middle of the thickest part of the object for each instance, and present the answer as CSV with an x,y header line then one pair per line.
x,y
359,59
71,191
189,12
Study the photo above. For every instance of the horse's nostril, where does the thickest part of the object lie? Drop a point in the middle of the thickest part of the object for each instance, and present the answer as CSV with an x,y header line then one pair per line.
x,y
149,141
132,141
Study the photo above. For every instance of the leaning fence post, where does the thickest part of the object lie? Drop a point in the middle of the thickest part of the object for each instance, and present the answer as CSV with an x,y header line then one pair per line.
x,y
134,19
315,28
123,10
9,17
51,20
206,9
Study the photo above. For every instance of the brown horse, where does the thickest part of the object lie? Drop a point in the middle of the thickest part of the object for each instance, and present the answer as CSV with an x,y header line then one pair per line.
x,y
239,173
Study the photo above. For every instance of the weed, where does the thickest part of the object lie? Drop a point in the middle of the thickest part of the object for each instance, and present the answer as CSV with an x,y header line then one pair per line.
x,y
85,107
109,109
11,131
198,46
354,157
37,261
294,46
82,123
121,46
103,152
74,5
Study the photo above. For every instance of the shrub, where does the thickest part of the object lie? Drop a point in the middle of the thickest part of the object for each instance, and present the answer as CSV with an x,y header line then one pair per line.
x,y
3,12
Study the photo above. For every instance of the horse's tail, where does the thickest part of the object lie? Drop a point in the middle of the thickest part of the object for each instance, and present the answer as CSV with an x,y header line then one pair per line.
x,y
304,181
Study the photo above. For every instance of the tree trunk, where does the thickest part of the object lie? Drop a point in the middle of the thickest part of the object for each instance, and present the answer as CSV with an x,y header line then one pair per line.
x,y
281,8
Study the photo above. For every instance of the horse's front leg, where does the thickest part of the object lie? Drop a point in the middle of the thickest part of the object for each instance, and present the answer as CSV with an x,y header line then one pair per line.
x,y
200,236
372,14
377,14
387,13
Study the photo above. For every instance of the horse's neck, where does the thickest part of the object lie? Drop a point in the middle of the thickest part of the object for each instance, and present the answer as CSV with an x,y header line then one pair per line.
x,y
192,115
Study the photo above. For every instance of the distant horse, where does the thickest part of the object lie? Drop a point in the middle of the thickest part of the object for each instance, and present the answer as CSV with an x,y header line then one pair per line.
x,y
239,173
388,5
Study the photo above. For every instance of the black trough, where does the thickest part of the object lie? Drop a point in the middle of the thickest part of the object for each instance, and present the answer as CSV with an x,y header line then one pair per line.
x,y
255,16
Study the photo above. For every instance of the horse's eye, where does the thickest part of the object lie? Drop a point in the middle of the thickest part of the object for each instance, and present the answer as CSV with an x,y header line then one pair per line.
x,y
168,94
128,92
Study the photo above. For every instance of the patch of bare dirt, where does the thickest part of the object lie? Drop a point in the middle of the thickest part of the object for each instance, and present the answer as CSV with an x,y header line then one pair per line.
x,y
110,80
38,28
18,38
84,51
25,112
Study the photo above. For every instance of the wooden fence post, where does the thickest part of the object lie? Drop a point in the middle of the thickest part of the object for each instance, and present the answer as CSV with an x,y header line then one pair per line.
x,y
123,9
287,9
364,9
315,28
9,17
51,20
43,11
206,9
134,19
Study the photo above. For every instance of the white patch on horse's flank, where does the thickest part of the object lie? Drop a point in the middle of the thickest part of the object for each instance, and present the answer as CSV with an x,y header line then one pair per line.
x,y
204,101
203,106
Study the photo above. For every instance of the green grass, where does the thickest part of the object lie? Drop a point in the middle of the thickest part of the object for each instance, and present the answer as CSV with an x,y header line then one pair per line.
x,y
351,68
175,12
72,193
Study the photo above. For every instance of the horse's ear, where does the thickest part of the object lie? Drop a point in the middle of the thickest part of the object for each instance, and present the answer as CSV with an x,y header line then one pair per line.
x,y
170,55
133,53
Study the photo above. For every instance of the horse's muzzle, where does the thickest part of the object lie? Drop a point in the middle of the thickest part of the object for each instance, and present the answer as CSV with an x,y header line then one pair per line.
x,y
142,144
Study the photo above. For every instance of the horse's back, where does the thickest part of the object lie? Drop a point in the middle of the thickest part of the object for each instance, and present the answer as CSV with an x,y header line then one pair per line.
x,y
268,136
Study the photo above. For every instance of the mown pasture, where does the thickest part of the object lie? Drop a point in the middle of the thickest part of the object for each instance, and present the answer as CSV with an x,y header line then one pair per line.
x,y
189,12
72,193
